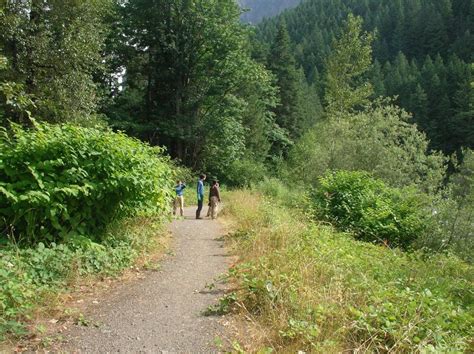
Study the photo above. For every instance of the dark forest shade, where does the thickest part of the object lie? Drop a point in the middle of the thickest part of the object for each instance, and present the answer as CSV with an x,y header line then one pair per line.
x,y
191,83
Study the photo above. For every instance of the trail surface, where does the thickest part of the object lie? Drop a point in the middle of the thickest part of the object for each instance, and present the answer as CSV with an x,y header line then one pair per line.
x,y
163,311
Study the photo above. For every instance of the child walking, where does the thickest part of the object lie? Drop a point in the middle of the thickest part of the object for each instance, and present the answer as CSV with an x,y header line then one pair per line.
x,y
179,199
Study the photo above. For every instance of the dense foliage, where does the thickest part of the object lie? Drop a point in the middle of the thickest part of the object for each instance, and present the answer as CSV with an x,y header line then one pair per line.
x,y
451,226
347,88
370,209
380,139
191,83
298,105
57,182
55,54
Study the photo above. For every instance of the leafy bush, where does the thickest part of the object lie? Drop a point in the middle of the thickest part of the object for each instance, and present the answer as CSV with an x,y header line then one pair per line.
x,y
57,182
370,209
183,173
380,140
245,172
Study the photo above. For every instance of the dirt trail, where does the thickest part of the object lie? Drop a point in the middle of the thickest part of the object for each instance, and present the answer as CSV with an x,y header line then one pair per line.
x,y
163,312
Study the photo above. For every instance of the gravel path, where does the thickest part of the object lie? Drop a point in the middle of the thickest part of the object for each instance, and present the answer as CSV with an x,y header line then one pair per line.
x,y
162,313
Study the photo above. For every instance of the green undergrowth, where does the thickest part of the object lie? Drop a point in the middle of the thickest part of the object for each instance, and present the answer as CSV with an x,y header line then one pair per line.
x,y
75,203
31,278
312,288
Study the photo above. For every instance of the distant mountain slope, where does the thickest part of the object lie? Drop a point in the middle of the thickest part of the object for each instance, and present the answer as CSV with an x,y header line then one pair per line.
x,y
423,53
415,27
265,8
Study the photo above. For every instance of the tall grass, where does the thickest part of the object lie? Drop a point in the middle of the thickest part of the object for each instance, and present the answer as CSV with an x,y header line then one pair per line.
x,y
311,288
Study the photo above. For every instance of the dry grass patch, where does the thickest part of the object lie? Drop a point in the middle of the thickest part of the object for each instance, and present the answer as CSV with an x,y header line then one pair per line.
x,y
304,286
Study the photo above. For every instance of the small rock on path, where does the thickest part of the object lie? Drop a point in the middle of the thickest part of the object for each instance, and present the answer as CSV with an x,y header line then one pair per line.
x,y
163,312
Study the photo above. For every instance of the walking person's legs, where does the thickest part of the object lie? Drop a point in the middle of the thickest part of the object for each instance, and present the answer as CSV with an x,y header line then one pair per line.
x,y
181,205
175,205
214,207
198,211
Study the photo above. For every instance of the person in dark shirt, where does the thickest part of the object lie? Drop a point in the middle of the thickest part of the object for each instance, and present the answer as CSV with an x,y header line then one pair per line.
x,y
214,199
209,204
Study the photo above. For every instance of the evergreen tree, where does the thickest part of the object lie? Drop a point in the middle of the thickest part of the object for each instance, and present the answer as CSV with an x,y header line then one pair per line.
x,y
461,125
377,79
346,86
407,31
299,105
418,103
282,63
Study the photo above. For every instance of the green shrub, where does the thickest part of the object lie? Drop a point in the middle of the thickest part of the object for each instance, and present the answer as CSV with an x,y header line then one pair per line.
x,y
450,228
183,173
380,139
367,207
16,294
57,182
244,172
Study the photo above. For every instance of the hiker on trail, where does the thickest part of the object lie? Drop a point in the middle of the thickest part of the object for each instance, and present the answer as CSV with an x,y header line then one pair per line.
x,y
209,204
179,199
200,195
214,198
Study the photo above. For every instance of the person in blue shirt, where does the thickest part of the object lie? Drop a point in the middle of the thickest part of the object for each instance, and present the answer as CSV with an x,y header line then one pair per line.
x,y
200,195
179,199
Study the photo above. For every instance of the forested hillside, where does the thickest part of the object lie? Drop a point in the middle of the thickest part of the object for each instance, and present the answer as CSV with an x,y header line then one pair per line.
x,y
423,52
259,9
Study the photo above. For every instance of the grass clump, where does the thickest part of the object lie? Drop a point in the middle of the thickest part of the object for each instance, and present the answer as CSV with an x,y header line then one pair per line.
x,y
314,289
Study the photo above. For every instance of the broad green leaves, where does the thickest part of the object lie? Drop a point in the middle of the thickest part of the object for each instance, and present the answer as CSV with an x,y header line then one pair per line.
x,y
371,210
61,181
